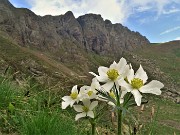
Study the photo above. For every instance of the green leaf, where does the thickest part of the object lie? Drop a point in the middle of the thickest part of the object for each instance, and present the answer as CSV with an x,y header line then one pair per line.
x,y
11,107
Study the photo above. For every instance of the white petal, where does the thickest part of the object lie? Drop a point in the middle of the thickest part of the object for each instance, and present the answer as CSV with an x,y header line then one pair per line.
x,y
125,72
78,108
83,89
126,85
121,64
123,93
137,96
86,102
102,70
101,98
67,98
72,102
94,80
93,104
93,96
80,115
121,100
90,114
92,73
83,96
102,78
130,65
95,84
130,75
111,103
74,89
153,87
108,86
65,105
141,74
117,85
114,65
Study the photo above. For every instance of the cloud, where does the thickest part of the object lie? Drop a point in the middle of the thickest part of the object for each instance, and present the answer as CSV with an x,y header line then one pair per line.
x,y
178,38
174,10
112,9
170,30
118,11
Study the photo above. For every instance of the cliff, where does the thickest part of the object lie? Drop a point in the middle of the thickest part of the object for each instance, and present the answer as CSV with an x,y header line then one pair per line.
x,y
51,33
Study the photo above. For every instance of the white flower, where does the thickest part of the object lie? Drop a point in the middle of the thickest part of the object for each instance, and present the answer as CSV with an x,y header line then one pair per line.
x,y
89,91
112,74
136,84
85,109
70,100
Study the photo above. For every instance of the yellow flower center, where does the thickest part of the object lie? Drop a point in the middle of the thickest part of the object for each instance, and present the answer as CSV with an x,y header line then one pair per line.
x,y
74,95
136,83
112,74
90,92
112,94
85,109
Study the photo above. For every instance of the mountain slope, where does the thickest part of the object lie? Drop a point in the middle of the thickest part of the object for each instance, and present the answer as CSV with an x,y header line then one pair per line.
x,y
68,48
166,55
32,63
45,67
161,61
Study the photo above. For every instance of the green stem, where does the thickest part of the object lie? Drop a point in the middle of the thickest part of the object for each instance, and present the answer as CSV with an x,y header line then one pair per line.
x,y
119,113
93,126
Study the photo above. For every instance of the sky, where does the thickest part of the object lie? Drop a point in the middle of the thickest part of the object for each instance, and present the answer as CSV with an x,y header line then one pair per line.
x,y
158,20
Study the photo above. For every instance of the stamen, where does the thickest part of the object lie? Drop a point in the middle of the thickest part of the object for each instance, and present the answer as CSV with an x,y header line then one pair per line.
x,y
112,94
112,74
74,95
137,83
90,93
86,109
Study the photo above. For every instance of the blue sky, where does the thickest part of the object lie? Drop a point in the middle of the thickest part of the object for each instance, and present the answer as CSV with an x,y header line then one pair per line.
x,y
158,20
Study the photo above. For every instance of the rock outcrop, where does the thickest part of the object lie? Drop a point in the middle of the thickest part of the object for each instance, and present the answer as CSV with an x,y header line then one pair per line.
x,y
89,31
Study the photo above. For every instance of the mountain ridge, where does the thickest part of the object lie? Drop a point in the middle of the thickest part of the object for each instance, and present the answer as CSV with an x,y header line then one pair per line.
x,y
89,31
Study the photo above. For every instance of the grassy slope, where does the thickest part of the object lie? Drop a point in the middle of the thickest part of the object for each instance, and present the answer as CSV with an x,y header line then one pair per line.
x,y
167,119
73,66
15,53
166,116
31,115
166,56
21,59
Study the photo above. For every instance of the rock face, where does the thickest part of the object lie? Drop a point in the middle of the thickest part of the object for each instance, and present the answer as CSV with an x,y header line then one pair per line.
x,y
50,33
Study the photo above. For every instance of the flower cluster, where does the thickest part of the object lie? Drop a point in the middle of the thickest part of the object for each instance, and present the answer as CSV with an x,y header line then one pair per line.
x,y
86,97
117,80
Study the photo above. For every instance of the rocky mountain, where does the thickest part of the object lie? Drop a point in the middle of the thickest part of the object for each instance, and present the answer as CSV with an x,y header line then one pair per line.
x,y
51,33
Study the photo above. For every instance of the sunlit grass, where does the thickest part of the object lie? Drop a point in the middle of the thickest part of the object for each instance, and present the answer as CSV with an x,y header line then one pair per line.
x,y
38,113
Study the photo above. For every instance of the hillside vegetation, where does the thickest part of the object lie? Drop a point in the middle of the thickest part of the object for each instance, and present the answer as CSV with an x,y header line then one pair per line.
x,y
40,63
166,56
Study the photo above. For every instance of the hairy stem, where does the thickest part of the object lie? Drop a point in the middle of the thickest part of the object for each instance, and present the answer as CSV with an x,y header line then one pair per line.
x,y
119,113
